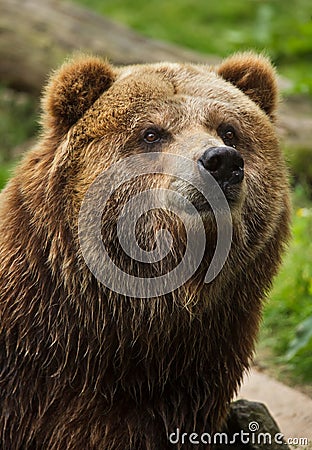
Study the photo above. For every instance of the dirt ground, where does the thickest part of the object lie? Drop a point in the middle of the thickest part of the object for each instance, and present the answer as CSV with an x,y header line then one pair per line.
x,y
291,409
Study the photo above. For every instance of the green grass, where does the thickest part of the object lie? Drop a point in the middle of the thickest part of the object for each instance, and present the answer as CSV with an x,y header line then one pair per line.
x,y
18,122
5,173
281,29
287,326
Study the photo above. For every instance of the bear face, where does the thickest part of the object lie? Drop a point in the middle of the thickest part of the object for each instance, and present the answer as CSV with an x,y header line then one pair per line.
x,y
89,366
184,110
172,101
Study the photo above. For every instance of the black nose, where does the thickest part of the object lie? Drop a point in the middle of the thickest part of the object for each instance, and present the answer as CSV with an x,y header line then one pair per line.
x,y
225,164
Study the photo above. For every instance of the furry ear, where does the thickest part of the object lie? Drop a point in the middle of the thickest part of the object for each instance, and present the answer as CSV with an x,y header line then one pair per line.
x,y
73,89
254,75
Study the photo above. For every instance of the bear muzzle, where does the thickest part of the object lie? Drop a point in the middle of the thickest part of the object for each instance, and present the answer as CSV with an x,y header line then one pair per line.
x,y
225,164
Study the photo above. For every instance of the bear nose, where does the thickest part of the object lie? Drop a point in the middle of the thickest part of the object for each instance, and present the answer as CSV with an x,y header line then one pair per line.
x,y
225,164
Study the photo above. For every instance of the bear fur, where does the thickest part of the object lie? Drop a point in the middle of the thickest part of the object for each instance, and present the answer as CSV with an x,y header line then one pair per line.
x,y
83,367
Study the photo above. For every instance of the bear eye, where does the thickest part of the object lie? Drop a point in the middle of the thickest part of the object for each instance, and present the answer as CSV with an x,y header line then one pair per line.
x,y
151,136
228,135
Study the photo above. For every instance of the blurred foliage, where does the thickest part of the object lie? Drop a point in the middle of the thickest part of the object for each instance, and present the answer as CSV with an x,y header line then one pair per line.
x,y
300,162
18,122
287,324
302,341
282,29
5,172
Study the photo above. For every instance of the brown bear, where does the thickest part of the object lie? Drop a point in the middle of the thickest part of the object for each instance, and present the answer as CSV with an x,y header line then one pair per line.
x,y
90,365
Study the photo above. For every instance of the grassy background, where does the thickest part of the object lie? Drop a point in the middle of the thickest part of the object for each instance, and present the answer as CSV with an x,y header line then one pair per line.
x,y
281,28
18,123
286,335
284,31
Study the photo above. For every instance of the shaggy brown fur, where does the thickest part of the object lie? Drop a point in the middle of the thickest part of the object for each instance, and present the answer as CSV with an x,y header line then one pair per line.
x,y
85,368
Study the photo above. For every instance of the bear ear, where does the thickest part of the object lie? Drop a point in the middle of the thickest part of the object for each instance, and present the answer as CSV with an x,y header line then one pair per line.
x,y
73,89
254,75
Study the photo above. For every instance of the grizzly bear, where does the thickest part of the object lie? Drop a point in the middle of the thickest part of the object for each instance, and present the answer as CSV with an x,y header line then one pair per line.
x,y
91,363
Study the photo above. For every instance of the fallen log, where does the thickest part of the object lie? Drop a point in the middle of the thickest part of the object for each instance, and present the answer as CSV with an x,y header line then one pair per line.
x,y
36,36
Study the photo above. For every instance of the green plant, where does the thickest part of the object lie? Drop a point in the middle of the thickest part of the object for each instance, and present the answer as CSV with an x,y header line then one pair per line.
x,y
18,114
287,327
302,340
5,172
300,169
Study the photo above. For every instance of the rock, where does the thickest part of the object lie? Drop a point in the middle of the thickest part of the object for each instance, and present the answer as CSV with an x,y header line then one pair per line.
x,y
250,426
